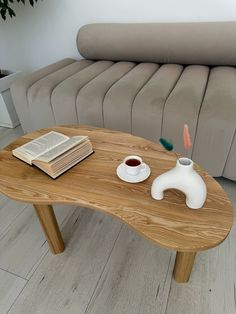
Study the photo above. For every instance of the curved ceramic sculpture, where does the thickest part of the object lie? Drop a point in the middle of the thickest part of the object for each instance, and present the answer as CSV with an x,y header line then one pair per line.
x,y
184,178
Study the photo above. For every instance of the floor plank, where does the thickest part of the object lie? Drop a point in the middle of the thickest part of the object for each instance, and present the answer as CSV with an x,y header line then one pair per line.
x,y
136,279
10,288
23,245
9,210
65,283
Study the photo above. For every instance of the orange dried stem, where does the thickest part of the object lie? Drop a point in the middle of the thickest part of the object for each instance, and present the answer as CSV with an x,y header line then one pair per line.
x,y
187,138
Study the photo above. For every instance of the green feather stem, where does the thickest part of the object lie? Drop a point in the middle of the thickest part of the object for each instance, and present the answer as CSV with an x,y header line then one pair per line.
x,y
166,144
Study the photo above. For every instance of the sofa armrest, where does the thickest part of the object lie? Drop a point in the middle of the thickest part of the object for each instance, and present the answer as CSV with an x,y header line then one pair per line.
x,y
20,88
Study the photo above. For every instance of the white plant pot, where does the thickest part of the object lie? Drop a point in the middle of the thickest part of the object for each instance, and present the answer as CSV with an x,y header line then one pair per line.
x,y
8,115
184,178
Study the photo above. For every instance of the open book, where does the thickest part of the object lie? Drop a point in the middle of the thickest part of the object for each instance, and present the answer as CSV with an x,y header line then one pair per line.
x,y
54,152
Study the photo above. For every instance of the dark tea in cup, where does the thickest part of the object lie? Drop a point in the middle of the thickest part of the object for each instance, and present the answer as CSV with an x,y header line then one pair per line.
x,y
132,162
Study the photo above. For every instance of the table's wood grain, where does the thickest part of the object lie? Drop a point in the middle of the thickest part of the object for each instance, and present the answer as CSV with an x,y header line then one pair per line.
x,y
94,184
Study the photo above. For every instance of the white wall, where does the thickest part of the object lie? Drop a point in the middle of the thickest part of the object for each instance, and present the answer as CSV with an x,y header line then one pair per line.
x,y
3,47
42,35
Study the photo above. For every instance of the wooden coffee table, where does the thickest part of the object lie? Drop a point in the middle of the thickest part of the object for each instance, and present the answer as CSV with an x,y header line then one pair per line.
x,y
94,184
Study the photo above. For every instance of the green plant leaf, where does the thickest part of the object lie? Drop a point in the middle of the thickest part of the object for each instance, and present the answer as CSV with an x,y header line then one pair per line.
x,y
3,14
5,7
11,12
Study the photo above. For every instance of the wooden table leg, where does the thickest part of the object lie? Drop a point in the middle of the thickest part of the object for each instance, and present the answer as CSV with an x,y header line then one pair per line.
x,y
183,266
50,227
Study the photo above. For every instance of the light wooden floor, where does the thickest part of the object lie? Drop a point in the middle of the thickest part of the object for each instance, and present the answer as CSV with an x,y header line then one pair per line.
x,y
106,267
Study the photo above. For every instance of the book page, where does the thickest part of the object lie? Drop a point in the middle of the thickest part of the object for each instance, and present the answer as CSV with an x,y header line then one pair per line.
x,y
61,148
39,146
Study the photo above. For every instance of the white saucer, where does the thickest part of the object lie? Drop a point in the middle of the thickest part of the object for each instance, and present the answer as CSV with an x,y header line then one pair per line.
x,y
122,174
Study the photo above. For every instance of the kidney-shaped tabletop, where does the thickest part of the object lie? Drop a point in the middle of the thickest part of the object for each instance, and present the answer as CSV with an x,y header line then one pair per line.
x,y
94,184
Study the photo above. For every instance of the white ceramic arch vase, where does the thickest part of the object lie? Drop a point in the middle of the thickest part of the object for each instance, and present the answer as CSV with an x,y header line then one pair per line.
x,y
184,178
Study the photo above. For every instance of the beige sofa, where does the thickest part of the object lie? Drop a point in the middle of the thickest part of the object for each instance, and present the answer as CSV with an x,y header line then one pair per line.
x,y
147,79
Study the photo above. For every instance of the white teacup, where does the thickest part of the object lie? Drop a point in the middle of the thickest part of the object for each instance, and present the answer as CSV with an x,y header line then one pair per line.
x,y
134,165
